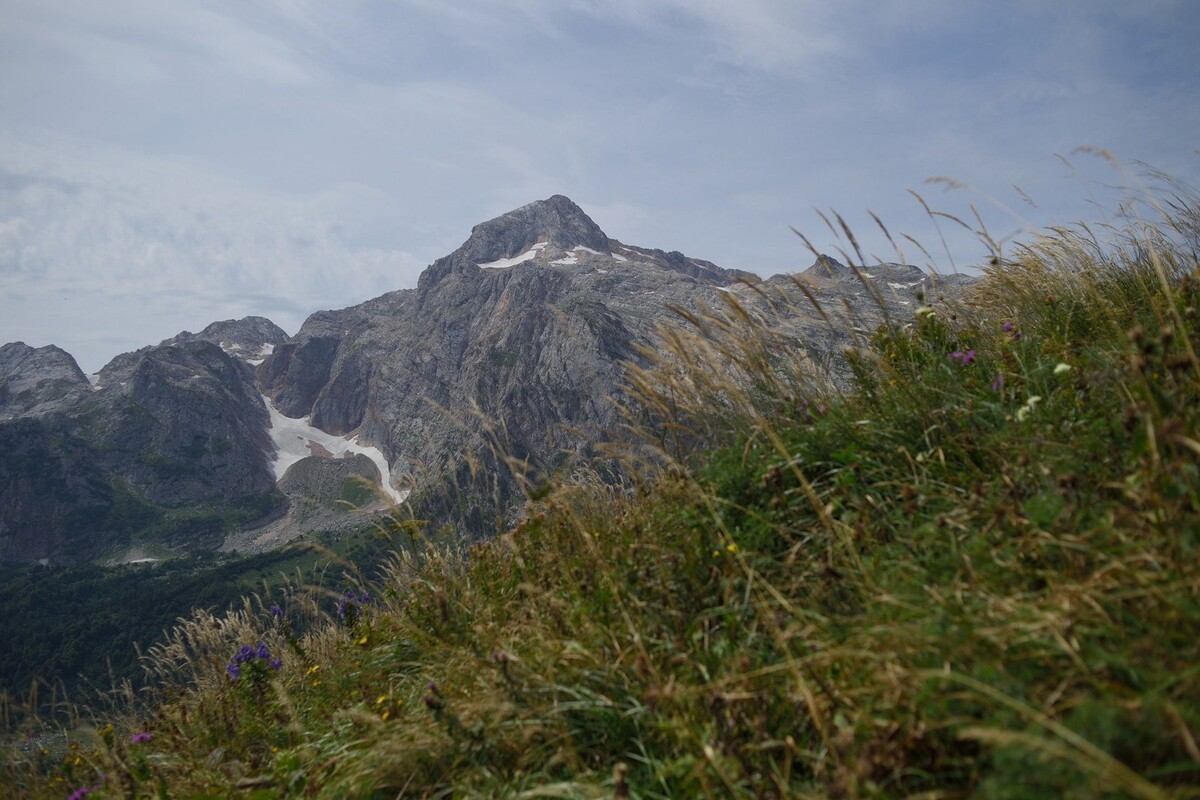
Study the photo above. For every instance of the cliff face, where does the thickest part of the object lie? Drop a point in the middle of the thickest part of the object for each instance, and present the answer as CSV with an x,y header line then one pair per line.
x,y
518,336
171,439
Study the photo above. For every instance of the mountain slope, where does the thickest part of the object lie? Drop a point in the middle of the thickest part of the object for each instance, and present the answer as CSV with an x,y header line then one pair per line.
x,y
509,356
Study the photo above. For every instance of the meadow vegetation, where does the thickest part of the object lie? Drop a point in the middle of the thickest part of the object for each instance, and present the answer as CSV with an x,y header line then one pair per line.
x,y
972,571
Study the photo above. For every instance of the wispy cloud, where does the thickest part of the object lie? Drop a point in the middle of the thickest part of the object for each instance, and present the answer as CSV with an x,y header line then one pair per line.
x,y
121,230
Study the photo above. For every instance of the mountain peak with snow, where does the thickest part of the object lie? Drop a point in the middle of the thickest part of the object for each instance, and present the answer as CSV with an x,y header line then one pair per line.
x,y
556,221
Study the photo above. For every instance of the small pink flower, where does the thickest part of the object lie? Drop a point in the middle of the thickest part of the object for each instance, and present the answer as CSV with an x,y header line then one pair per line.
x,y
963,358
139,738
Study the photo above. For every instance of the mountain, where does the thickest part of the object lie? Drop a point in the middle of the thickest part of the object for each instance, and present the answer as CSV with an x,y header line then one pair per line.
x,y
515,343
170,442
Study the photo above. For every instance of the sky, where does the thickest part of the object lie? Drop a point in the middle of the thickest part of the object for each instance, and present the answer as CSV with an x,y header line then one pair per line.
x,y
168,163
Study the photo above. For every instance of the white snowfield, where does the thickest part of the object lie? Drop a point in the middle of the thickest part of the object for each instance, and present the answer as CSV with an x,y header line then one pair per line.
x,y
504,263
261,355
294,440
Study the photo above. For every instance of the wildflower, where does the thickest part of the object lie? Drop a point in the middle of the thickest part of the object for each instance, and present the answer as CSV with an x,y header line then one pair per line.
x,y
313,670
363,641
998,383
732,547
1062,368
964,358
276,611
276,663
262,652
383,698
1008,327
1027,409
139,738
924,311
234,671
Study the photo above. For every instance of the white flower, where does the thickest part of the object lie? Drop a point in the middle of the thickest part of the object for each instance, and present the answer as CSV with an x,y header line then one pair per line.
x,y
1062,368
1027,409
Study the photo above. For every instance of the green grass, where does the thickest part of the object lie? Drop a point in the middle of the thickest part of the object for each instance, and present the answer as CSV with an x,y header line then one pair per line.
x,y
932,584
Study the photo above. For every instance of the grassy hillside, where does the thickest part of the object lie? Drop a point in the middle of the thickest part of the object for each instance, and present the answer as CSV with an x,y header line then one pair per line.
x,y
974,573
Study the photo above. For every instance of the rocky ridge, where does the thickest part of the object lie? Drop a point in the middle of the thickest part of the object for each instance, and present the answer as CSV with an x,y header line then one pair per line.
x,y
515,343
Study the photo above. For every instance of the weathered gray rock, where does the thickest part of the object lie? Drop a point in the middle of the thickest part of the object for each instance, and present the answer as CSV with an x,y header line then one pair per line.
x,y
527,355
171,442
38,381
249,338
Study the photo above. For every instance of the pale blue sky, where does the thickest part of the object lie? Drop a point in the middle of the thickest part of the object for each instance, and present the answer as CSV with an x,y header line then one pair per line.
x,y
166,164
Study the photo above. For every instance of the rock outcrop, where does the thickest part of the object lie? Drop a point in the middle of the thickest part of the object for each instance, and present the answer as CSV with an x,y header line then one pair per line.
x,y
171,442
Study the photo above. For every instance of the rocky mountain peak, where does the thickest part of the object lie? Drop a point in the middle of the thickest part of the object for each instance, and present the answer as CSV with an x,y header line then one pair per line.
x,y
557,221
248,338
827,267
38,380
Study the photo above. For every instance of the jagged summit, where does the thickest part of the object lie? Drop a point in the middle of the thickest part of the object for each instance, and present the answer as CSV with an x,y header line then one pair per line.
x,y
248,338
38,380
557,221
554,226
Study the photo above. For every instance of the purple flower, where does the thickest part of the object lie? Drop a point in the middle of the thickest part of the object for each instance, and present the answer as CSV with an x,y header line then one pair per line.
x,y
1008,327
262,652
998,383
963,358
366,598
276,663
244,654
276,611
234,671
139,738
80,793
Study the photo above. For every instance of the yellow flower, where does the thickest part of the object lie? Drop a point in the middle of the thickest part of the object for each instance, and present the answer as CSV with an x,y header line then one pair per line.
x,y
385,715
382,699
363,641
732,547
313,670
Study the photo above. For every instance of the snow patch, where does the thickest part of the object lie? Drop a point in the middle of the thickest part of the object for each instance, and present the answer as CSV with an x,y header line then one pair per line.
x,y
619,257
504,263
295,438
94,380
602,271
573,256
